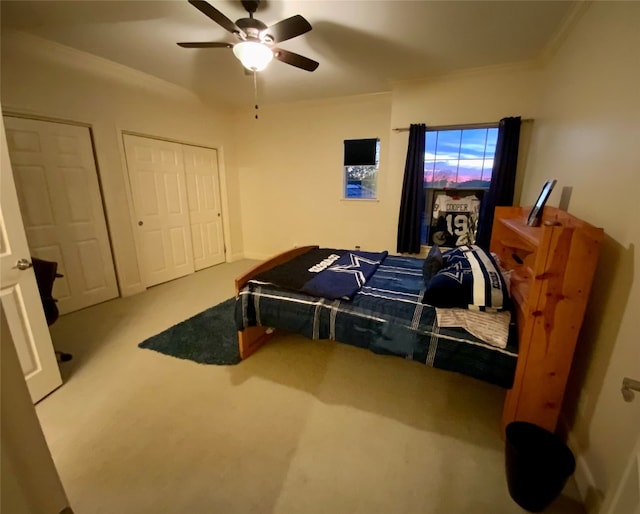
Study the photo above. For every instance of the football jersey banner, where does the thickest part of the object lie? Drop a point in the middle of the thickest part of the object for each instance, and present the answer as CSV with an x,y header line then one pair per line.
x,y
455,220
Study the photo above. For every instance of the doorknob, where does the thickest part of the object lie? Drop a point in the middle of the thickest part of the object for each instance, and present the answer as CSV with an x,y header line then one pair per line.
x,y
629,385
140,223
23,264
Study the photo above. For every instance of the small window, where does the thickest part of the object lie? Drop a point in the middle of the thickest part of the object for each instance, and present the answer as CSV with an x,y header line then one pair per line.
x,y
458,163
361,161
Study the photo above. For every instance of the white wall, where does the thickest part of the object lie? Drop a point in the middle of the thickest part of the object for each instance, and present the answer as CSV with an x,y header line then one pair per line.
x,y
45,79
291,176
483,95
476,96
291,165
587,136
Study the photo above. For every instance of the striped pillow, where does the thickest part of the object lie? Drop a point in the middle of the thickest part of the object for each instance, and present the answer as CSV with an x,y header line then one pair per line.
x,y
469,279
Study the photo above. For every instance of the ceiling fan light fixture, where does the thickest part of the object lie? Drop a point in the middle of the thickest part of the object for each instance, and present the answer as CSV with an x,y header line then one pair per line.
x,y
253,55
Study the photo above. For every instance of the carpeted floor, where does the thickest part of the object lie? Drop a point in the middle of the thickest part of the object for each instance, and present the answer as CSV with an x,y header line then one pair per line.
x,y
301,427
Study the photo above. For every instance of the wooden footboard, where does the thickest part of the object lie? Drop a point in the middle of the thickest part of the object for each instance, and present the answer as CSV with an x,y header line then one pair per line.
x,y
252,338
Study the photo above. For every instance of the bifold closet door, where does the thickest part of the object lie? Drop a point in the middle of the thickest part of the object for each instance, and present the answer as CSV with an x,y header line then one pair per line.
x,y
61,205
205,212
158,186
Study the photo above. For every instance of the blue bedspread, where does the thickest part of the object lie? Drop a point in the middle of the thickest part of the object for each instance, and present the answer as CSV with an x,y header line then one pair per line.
x,y
346,276
324,272
386,316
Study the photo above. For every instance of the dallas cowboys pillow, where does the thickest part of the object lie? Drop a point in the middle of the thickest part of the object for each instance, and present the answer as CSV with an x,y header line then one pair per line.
x,y
469,279
432,263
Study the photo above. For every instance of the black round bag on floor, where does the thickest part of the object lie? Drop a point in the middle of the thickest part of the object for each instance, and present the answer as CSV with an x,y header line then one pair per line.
x,y
538,464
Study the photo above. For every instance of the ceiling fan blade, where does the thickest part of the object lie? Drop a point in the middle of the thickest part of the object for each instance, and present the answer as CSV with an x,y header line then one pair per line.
x,y
289,28
209,10
209,44
297,60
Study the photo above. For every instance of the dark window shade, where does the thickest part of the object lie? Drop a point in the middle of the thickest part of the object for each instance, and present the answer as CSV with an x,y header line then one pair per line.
x,y
360,152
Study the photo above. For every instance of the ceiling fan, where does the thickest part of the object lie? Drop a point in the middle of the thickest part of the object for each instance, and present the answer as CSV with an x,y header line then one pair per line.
x,y
255,47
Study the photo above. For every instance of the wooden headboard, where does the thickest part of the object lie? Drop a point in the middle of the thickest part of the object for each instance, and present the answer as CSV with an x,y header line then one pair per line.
x,y
552,268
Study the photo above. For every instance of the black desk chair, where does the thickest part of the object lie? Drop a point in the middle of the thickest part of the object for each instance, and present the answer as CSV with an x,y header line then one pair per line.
x,y
46,274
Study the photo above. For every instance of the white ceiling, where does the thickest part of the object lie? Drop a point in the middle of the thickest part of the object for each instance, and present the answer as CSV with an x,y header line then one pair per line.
x,y
361,45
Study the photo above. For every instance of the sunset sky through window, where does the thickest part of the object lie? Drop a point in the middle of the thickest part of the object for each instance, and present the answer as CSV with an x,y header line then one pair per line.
x,y
459,158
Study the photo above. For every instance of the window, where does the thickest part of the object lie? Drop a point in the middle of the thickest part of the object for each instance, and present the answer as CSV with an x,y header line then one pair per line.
x,y
460,159
361,161
458,163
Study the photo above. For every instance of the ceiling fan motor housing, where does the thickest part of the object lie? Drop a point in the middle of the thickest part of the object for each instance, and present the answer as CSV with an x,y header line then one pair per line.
x,y
252,27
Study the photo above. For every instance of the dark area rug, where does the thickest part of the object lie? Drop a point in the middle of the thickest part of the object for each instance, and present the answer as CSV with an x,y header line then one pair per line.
x,y
207,338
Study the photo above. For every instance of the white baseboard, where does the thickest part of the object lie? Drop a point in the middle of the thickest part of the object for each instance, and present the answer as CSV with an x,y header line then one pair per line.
x,y
236,257
583,476
132,289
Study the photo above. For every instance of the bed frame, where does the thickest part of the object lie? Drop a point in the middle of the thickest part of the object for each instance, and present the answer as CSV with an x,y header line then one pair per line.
x,y
552,267
252,338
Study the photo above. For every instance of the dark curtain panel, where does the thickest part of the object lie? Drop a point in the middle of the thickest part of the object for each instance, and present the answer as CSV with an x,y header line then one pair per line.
x,y
503,178
412,201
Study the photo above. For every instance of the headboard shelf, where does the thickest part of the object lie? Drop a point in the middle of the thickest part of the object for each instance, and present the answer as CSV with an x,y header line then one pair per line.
x,y
526,235
552,269
518,244
520,284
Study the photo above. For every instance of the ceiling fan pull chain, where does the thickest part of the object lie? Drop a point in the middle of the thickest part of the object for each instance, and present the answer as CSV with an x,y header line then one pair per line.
x,y
255,91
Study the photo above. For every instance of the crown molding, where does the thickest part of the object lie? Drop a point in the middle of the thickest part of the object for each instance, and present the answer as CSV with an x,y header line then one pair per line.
x,y
566,26
92,64
529,65
536,63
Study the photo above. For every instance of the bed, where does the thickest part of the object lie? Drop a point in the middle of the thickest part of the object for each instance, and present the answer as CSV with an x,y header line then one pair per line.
x,y
551,270
384,312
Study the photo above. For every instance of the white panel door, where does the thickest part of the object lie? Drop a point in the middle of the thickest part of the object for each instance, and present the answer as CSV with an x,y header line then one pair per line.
x,y
61,206
205,211
21,306
156,174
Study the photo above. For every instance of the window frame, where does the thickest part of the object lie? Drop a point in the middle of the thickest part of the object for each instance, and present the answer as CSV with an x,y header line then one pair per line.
x,y
461,127
375,172
431,190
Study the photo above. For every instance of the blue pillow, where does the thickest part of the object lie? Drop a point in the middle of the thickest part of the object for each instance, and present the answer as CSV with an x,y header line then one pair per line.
x,y
469,279
432,264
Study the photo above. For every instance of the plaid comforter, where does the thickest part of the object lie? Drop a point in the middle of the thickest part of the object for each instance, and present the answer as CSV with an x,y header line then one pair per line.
x,y
386,316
